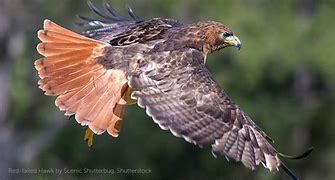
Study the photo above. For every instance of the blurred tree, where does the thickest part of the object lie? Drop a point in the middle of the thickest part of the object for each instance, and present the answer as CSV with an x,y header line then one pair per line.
x,y
283,77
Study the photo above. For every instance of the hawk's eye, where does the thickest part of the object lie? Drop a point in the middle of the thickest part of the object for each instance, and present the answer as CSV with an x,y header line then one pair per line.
x,y
226,34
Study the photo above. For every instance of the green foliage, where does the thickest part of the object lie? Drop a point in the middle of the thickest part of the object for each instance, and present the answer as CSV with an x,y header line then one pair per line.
x,y
284,77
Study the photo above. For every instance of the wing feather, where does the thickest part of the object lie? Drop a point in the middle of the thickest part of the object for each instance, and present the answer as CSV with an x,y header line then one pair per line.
x,y
184,98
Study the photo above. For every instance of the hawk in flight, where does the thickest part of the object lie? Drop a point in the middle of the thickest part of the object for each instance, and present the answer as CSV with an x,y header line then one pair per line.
x,y
159,64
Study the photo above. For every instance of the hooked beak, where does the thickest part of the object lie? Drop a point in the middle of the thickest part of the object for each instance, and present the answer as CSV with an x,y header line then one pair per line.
x,y
233,41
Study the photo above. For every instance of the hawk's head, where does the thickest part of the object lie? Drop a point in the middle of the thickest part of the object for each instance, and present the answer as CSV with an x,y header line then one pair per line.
x,y
217,36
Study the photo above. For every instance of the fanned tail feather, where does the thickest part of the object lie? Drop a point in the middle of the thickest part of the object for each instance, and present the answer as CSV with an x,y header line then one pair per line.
x,y
69,70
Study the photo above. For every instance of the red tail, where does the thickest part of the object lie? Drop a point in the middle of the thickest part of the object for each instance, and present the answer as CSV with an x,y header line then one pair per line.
x,y
84,87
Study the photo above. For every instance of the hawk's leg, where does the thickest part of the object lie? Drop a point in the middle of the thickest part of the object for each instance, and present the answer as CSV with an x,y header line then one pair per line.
x,y
89,137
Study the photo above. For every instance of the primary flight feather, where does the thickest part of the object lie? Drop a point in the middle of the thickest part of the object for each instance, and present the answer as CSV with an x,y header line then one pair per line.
x,y
158,64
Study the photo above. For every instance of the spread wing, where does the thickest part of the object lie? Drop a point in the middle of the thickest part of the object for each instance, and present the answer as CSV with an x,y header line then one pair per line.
x,y
179,93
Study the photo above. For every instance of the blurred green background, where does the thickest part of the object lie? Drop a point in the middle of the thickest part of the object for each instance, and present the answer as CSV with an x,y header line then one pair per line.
x,y
283,77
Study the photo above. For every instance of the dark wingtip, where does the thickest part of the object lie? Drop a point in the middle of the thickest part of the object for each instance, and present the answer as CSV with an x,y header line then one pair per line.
x,y
113,12
288,171
110,14
99,12
132,14
300,156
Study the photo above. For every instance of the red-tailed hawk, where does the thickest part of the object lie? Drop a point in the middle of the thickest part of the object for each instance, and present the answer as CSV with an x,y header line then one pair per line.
x,y
158,64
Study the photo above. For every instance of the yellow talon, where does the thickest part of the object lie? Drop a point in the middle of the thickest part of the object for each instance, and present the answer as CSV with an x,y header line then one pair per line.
x,y
89,137
130,101
126,99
